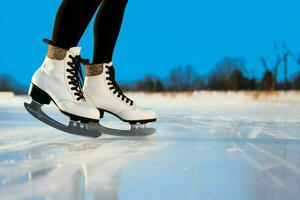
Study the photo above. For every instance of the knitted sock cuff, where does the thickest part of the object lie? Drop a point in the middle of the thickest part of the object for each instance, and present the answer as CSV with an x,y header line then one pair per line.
x,y
56,53
93,69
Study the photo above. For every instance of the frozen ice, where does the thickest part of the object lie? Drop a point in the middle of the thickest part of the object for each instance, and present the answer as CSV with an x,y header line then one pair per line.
x,y
208,145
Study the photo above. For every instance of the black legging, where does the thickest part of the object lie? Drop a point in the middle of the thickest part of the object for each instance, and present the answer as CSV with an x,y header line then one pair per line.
x,y
74,16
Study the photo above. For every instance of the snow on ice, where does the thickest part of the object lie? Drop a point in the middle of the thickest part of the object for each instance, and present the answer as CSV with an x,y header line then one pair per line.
x,y
208,145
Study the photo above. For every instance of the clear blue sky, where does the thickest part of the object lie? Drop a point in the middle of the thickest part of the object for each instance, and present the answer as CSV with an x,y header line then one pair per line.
x,y
158,35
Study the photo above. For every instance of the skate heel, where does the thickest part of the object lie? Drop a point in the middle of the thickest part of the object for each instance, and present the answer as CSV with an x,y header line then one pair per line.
x,y
39,95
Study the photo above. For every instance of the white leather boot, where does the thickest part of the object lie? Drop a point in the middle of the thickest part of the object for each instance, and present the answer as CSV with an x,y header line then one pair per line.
x,y
57,80
101,89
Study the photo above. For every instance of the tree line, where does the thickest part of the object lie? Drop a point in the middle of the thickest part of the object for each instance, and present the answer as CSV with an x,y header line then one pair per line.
x,y
9,84
228,74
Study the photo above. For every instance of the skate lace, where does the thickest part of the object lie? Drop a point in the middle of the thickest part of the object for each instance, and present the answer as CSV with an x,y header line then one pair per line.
x,y
115,87
76,77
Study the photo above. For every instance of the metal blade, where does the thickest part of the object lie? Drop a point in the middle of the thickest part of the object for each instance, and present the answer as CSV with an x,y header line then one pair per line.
x,y
93,130
76,128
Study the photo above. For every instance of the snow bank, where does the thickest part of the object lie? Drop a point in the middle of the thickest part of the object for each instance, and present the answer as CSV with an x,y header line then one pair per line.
x,y
6,95
216,98
187,98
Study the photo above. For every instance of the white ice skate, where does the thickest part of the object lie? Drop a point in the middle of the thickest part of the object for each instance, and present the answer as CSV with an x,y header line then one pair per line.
x,y
57,80
101,90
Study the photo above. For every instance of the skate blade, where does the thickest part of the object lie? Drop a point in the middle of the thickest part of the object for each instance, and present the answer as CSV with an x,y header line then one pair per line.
x,y
75,128
117,132
93,130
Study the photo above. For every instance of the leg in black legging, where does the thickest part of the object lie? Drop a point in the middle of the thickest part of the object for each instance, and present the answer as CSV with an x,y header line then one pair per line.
x,y
106,29
74,16
72,19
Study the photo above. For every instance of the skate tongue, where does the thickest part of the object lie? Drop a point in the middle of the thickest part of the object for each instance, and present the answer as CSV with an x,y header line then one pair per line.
x,y
75,51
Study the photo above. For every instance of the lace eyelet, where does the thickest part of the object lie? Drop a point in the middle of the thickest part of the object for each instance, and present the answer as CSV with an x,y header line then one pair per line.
x,y
115,88
75,75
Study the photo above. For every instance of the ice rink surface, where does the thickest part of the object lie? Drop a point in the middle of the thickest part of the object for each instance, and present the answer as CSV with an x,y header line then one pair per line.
x,y
207,146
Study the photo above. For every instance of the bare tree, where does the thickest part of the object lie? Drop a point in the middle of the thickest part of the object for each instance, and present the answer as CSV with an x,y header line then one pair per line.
x,y
286,54
182,78
218,78
269,81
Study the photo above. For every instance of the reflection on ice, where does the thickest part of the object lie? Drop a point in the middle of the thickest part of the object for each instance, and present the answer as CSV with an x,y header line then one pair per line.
x,y
70,170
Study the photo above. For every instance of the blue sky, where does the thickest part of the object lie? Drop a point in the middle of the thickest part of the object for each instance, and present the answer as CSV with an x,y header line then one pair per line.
x,y
158,35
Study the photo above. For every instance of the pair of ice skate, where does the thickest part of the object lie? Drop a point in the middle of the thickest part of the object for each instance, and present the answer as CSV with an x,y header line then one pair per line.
x,y
59,80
